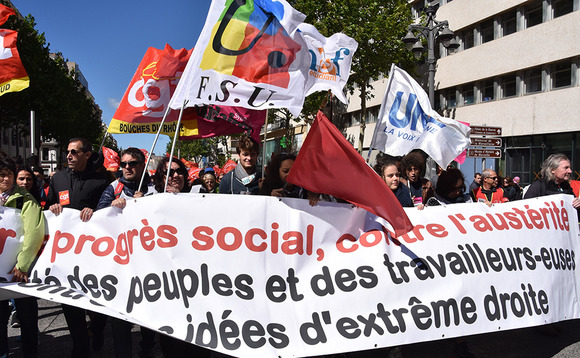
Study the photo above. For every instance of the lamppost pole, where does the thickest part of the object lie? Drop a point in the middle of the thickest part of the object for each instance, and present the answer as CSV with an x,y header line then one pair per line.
x,y
431,31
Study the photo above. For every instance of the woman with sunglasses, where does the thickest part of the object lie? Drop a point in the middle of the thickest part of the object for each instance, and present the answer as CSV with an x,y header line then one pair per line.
x,y
450,189
177,177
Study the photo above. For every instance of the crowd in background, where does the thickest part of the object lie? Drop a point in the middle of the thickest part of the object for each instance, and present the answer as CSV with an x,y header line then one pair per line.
x,y
85,185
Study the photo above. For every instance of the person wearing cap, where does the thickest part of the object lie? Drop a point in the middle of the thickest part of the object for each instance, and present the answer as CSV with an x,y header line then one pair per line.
x,y
208,182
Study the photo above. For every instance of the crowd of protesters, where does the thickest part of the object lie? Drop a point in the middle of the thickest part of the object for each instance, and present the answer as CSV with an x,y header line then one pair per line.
x,y
85,185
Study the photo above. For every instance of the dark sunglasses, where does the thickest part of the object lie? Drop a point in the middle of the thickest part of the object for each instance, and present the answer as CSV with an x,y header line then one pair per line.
x,y
73,151
172,172
493,178
131,164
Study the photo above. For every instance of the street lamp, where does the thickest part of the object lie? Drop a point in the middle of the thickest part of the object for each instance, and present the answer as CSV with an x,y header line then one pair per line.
x,y
432,30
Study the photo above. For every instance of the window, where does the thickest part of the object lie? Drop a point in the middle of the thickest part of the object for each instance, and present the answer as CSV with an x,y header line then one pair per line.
x,y
562,7
486,31
468,95
372,114
487,91
508,23
508,86
534,81
468,39
451,99
45,154
534,13
562,74
355,118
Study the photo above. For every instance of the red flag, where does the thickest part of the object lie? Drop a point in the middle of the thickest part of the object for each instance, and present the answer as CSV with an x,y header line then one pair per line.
x,y
145,153
149,92
5,12
193,173
112,160
13,76
229,166
343,173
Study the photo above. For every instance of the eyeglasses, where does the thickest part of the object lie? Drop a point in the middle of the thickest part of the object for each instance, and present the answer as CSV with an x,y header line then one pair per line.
x,y
131,164
172,172
73,151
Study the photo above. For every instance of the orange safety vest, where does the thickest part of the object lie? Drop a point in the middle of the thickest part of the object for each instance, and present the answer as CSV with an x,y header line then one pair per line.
x,y
496,196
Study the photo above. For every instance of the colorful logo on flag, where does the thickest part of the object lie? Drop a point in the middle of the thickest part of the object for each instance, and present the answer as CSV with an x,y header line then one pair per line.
x,y
249,42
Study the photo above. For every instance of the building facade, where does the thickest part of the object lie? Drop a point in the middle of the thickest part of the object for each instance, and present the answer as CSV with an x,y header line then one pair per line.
x,y
517,67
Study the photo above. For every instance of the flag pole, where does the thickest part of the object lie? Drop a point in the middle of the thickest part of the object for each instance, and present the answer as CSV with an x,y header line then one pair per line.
x,y
380,112
264,145
153,147
175,138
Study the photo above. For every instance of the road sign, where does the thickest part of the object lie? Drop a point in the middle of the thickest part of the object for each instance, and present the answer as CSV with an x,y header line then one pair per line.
x,y
481,130
485,142
483,153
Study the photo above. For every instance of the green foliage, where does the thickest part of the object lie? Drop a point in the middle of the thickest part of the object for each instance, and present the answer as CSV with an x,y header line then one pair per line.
x,y
377,26
58,99
194,150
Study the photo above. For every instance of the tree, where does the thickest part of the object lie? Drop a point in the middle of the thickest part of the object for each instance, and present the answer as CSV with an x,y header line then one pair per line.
x,y
194,150
61,104
377,26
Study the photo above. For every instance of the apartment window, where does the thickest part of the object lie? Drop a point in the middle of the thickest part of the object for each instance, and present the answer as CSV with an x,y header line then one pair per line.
x,y
487,91
372,114
561,74
508,86
451,99
486,31
468,95
468,39
533,80
562,7
508,23
45,156
534,13
355,118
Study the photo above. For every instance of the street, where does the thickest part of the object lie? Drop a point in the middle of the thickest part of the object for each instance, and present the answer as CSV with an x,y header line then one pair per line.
x,y
530,342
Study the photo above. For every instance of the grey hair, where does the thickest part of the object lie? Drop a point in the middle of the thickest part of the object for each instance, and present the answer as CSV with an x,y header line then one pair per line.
x,y
552,163
486,173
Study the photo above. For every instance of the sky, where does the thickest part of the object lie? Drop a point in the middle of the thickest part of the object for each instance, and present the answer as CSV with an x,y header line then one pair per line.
x,y
108,39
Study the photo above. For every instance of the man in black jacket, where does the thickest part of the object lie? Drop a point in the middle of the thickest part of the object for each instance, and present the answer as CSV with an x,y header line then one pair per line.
x,y
79,186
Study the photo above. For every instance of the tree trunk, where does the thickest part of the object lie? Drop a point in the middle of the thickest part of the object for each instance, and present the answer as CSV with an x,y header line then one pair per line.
x,y
363,119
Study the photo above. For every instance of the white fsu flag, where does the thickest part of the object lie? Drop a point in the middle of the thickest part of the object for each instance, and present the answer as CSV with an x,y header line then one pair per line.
x,y
251,55
407,122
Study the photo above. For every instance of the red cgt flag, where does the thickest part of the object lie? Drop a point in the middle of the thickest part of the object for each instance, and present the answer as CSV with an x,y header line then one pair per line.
x,y
13,76
229,166
343,173
112,160
5,12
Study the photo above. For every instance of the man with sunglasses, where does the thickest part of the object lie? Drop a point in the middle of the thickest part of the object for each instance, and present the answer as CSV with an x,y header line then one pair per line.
x,y
489,192
126,187
117,193
79,186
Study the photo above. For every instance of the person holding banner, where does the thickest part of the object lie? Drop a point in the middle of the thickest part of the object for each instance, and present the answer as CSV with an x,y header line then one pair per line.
x,y
488,192
177,177
450,189
79,186
14,196
413,170
388,169
132,165
245,177
275,183
556,173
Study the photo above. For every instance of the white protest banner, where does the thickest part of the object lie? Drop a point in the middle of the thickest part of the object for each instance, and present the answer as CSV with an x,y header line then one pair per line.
x,y
10,240
407,121
257,276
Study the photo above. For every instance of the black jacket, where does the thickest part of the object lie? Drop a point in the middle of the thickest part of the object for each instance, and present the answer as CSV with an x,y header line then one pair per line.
x,y
542,187
84,188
